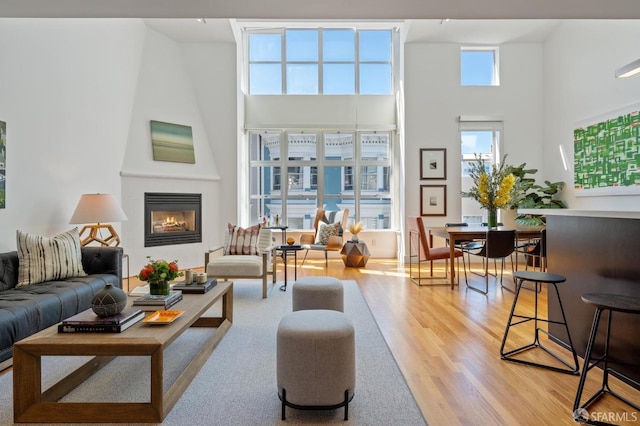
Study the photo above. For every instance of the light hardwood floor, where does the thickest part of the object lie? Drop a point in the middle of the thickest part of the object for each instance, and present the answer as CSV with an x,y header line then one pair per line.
x,y
447,344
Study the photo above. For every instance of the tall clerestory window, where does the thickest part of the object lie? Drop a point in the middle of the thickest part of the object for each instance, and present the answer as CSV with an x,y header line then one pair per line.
x,y
320,61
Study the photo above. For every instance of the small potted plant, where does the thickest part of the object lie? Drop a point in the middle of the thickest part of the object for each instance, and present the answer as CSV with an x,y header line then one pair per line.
x,y
158,273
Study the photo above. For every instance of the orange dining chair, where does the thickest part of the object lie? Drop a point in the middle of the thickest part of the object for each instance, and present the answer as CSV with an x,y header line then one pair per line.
x,y
421,250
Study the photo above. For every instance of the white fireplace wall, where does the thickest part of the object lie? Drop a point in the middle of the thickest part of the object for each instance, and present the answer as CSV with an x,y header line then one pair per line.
x,y
165,92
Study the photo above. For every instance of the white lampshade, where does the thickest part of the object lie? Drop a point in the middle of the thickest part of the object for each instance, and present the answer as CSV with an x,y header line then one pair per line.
x,y
98,208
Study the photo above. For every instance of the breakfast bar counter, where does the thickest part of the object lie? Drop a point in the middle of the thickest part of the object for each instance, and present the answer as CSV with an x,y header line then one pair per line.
x,y
598,253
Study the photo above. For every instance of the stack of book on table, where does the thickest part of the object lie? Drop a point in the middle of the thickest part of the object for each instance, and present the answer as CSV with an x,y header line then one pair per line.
x,y
148,303
88,322
196,288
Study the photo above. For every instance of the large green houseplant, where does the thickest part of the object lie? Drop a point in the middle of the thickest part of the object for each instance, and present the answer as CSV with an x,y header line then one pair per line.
x,y
529,195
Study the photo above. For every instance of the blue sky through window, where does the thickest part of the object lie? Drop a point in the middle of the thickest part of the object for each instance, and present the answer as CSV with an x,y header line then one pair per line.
x,y
338,66
477,68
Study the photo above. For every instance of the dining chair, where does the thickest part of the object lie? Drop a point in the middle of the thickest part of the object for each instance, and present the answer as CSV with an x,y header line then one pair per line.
x,y
421,250
535,252
468,244
498,244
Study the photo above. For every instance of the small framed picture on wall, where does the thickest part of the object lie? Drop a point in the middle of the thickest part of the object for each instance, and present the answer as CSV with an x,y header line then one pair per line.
x,y
433,200
433,163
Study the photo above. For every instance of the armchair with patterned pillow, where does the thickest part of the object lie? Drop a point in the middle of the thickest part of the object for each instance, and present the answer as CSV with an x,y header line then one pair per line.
x,y
246,253
329,227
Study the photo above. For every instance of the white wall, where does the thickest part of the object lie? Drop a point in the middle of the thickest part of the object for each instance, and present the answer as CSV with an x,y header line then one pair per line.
x,y
435,100
66,94
580,59
165,92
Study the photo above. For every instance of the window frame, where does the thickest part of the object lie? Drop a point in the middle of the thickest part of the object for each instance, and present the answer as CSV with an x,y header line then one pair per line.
x,y
350,198
285,62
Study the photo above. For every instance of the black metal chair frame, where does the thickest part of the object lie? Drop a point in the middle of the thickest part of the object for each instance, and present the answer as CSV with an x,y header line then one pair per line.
x,y
490,251
538,278
588,365
344,404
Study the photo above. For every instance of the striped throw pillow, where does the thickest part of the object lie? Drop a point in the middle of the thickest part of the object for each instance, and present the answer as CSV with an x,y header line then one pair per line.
x,y
47,259
243,241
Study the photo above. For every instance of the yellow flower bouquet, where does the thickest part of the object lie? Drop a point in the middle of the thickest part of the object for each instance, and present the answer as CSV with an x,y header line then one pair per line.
x,y
493,190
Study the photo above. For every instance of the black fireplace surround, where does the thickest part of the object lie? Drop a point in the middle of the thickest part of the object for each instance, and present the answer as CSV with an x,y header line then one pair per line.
x,y
172,218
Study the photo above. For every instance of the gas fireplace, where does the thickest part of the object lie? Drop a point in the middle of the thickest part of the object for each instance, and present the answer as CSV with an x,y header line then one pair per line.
x,y
172,219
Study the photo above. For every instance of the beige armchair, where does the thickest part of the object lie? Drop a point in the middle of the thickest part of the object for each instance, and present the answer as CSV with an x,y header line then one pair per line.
x,y
335,222
218,264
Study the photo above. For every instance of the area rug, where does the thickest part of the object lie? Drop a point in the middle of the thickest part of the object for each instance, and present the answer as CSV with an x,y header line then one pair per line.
x,y
237,385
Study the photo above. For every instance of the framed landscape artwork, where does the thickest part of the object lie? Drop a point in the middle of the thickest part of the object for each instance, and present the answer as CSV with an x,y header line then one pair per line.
x,y
433,163
172,142
3,163
433,200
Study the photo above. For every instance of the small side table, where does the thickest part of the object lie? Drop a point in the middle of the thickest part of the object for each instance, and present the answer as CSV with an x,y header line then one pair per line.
x,y
286,250
355,254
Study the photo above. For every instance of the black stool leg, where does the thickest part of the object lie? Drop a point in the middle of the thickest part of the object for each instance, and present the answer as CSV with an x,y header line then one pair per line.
x,y
588,365
507,356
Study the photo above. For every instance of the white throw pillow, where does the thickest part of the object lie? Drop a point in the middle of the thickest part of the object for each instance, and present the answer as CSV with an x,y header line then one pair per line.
x,y
47,259
326,230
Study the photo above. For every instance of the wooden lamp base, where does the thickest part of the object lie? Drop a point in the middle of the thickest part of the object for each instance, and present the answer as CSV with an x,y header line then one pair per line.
x,y
110,240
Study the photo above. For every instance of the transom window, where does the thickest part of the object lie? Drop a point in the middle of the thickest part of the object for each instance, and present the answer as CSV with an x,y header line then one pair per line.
x,y
320,61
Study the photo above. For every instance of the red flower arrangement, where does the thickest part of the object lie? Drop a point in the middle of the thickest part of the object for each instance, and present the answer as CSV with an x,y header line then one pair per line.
x,y
159,270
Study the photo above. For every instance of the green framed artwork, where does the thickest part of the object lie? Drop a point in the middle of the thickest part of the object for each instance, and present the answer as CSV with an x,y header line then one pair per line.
x,y
3,163
172,142
607,154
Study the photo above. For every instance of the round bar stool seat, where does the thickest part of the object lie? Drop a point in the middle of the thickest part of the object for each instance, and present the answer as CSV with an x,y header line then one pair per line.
x,y
611,303
552,280
318,293
316,360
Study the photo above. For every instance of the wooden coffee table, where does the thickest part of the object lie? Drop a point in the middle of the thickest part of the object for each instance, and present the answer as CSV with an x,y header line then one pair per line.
x,y
30,404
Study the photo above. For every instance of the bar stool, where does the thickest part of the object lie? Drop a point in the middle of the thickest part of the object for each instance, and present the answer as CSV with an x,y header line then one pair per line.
x,y
516,319
602,302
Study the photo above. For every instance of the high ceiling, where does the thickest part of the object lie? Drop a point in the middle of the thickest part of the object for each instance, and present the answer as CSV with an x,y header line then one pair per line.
x,y
470,21
326,9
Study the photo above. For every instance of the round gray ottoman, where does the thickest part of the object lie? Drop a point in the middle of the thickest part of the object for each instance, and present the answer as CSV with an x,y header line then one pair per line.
x,y
318,293
316,360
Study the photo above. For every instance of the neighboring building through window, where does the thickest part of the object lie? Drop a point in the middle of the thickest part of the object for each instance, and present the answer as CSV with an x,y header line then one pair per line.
x,y
320,169
479,66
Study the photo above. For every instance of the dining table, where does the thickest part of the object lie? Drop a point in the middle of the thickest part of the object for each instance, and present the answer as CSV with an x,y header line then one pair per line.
x,y
478,232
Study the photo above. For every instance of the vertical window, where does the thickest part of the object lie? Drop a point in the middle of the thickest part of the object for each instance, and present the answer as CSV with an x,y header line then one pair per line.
x,y
338,58
479,66
375,62
477,140
265,64
302,62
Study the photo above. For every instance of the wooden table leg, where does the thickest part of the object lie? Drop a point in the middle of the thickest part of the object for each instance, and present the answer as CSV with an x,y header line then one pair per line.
x,y
452,258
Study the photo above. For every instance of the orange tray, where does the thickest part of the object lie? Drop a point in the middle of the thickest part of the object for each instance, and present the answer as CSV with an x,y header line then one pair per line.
x,y
162,317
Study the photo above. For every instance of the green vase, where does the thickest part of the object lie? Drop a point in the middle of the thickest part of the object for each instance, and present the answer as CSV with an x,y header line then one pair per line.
x,y
159,289
492,219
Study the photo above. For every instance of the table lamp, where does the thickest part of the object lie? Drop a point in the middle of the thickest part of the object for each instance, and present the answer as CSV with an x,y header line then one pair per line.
x,y
98,209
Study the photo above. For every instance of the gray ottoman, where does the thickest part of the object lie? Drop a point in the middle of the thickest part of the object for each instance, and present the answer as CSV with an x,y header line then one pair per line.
x,y
318,293
316,360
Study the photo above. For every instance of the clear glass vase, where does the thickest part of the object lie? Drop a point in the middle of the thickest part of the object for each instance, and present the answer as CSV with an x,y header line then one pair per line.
x,y
158,289
492,218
